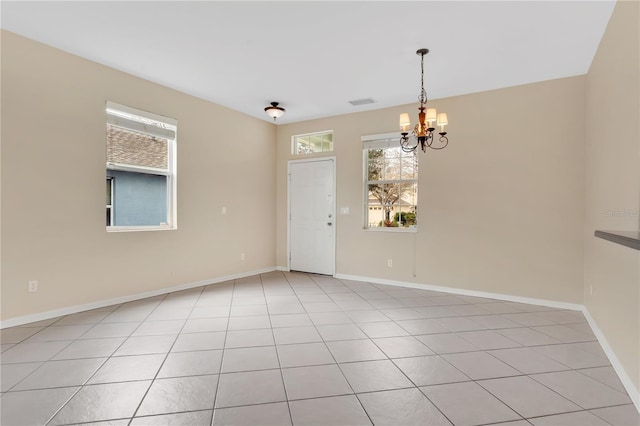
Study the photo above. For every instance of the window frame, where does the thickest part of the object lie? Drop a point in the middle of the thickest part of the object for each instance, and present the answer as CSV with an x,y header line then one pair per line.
x,y
390,138
154,125
294,143
110,180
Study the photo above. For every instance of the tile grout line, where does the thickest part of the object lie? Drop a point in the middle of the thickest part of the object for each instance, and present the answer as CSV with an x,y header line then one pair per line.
x,y
168,351
333,356
101,365
224,344
473,380
275,348
405,375
343,310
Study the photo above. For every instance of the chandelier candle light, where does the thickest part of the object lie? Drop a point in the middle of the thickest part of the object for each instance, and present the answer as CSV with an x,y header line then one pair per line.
x,y
422,133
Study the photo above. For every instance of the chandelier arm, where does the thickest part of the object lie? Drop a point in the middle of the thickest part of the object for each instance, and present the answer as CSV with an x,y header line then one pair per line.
x,y
443,140
430,138
404,143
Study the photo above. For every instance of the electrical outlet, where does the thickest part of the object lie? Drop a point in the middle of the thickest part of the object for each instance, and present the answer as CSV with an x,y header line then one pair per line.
x,y
224,210
390,263
242,256
33,286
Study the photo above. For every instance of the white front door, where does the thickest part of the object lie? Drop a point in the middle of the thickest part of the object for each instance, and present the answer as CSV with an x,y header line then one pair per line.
x,y
312,216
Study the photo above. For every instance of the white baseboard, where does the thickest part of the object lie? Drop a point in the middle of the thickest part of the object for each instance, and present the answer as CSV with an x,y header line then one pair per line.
x,y
633,392
282,268
12,322
463,292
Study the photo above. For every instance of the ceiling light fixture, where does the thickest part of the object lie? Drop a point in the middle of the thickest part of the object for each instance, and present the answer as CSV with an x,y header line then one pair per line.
x,y
422,133
274,111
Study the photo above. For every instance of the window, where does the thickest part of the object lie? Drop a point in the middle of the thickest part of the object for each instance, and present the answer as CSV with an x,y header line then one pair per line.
x,y
109,201
141,170
312,142
391,183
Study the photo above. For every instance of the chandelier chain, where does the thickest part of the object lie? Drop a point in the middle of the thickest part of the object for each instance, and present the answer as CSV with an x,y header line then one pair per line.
x,y
423,93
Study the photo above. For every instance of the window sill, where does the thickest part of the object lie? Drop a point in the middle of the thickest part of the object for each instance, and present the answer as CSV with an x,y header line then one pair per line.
x,y
140,228
392,229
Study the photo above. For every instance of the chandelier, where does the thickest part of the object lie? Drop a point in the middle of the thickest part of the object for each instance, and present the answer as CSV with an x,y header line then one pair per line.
x,y
274,111
422,134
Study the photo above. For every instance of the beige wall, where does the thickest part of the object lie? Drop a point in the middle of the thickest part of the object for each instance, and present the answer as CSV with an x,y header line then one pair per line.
x,y
505,208
500,210
53,176
612,163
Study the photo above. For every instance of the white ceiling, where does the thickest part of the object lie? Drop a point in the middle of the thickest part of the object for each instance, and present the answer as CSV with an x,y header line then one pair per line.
x,y
314,57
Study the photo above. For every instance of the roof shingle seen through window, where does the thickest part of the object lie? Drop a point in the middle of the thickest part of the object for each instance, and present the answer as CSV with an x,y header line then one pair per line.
x,y
136,149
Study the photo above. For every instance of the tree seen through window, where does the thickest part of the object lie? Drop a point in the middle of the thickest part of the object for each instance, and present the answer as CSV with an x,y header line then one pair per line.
x,y
392,186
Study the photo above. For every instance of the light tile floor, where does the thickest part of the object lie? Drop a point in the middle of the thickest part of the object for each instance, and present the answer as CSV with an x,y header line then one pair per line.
x,y
294,348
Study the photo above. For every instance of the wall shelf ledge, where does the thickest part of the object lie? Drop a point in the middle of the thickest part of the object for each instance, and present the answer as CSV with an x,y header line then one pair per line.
x,y
626,238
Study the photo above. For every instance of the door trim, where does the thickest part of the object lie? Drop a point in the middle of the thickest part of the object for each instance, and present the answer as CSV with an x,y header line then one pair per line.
x,y
335,203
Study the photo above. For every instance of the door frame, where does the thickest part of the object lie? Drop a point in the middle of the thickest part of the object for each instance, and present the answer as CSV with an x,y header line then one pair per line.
x,y
333,213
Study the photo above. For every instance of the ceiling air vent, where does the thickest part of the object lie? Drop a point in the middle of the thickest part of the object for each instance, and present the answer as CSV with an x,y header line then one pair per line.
x,y
358,102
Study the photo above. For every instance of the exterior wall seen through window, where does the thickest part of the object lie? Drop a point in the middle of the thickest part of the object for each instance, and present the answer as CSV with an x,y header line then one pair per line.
x,y
140,169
